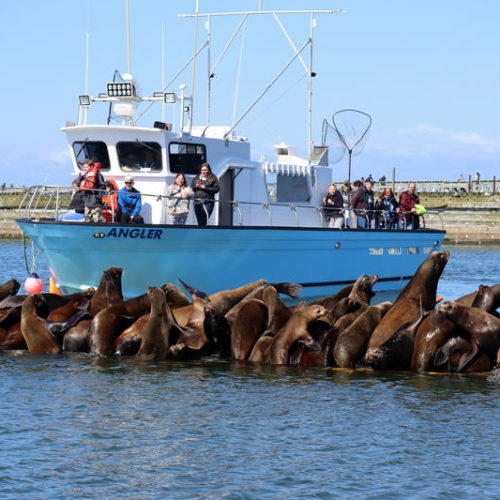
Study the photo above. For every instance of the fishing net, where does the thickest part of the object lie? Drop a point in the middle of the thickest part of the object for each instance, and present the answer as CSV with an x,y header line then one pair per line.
x,y
348,132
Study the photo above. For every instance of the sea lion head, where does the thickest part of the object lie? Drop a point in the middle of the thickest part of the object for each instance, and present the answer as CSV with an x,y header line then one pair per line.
x,y
374,357
315,312
447,307
438,260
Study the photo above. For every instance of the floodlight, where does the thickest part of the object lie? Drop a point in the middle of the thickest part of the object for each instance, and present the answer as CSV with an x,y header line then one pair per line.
x,y
169,98
84,100
126,89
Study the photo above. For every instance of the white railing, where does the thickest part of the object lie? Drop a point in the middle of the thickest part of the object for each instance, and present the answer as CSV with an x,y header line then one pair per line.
x,y
52,201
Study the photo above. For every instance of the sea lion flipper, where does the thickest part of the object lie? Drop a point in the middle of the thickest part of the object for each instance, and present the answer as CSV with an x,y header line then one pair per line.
x,y
467,357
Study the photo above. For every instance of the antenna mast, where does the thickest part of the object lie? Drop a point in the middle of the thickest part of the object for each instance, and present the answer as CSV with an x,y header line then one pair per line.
x,y
127,22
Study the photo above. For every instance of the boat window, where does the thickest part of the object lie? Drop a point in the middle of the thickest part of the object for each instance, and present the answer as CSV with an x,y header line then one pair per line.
x,y
412,250
287,188
186,158
93,150
376,251
139,156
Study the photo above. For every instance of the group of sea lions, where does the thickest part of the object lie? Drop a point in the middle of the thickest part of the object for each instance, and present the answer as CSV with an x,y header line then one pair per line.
x,y
252,323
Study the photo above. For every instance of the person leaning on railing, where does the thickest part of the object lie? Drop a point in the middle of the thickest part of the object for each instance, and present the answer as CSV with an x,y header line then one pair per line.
x,y
407,201
333,205
386,209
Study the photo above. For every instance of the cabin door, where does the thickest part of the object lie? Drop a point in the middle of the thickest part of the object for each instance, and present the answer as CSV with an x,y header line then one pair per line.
x,y
226,194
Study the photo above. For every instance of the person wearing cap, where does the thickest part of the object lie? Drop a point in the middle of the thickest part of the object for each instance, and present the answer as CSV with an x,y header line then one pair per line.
x,y
129,203
362,202
407,201
346,192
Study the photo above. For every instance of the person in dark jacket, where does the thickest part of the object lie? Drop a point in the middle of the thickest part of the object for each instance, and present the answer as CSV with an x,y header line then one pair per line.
x,y
387,208
333,205
407,201
205,186
362,202
129,203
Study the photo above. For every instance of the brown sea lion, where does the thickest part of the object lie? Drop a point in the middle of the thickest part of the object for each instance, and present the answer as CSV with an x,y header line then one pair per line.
x,y
482,327
260,350
248,325
76,339
109,291
396,352
431,334
38,339
156,332
331,300
351,342
193,339
9,288
14,339
493,295
295,329
69,309
112,320
457,349
418,294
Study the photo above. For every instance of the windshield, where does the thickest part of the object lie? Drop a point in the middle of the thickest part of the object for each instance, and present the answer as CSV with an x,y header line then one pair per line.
x,y
139,156
91,150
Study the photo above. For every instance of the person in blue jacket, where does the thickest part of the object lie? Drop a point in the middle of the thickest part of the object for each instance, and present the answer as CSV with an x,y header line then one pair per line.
x,y
129,203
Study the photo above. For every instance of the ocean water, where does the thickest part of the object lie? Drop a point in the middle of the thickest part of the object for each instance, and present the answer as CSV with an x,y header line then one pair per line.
x,y
74,426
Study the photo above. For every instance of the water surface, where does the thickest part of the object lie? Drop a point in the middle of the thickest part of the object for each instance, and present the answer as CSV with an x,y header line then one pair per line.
x,y
77,426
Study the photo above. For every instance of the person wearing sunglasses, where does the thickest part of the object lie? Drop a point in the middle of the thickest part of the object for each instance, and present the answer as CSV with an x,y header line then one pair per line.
x,y
129,203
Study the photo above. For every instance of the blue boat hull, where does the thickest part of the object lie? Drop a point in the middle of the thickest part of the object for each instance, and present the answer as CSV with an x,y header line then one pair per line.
x,y
215,258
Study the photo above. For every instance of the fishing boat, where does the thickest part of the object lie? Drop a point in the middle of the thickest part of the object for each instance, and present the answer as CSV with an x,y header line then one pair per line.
x,y
268,221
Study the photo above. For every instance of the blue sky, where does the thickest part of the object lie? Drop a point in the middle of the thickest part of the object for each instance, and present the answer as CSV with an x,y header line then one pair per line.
x,y
428,73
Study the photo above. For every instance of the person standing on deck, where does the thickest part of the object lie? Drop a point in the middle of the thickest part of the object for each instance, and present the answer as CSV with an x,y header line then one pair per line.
x,y
407,201
205,186
362,202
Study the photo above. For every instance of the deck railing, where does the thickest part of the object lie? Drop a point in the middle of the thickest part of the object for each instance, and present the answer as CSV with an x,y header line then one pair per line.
x,y
53,201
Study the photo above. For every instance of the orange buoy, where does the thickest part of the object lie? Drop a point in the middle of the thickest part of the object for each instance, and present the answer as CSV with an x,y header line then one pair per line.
x,y
53,287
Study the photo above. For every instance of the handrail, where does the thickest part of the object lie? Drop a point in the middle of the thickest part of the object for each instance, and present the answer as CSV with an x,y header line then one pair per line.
x,y
52,200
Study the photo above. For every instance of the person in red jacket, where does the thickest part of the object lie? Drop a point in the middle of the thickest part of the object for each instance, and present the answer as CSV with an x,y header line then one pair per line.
x,y
407,201
91,183
110,201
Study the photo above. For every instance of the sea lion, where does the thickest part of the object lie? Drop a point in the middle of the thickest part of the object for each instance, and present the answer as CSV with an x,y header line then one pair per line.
x,y
9,288
431,334
330,301
156,333
418,294
248,325
69,309
294,330
38,339
351,342
193,339
396,352
14,339
455,350
493,295
76,338
260,350
109,291
482,327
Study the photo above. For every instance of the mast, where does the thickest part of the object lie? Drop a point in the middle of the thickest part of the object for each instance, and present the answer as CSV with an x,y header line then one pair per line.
x,y
127,23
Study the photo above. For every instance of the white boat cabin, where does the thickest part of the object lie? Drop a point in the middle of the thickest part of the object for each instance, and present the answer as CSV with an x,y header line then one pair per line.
x,y
285,192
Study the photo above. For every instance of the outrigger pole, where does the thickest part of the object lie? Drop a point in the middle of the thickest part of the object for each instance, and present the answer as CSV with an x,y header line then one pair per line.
x,y
308,69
